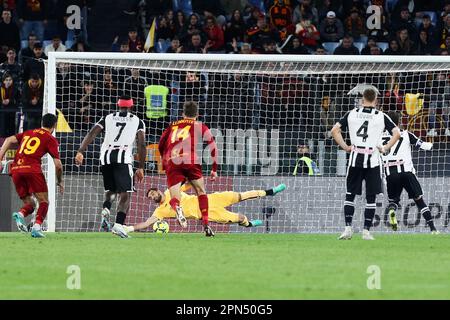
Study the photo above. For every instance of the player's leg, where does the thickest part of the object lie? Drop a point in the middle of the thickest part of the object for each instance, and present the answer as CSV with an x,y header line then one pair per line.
x,y
253,194
354,182
199,186
175,177
122,209
414,189
21,185
373,187
394,191
109,185
124,186
36,230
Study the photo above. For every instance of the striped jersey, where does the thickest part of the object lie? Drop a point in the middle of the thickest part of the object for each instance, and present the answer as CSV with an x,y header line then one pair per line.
x,y
366,126
399,158
120,132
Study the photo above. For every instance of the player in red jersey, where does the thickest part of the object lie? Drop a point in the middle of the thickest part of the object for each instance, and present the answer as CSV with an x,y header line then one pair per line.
x,y
26,170
177,147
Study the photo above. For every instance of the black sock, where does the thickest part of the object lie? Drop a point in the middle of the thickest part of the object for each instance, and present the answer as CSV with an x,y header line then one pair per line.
x,y
369,212
349,209
120,217
269,192
426,213
107,204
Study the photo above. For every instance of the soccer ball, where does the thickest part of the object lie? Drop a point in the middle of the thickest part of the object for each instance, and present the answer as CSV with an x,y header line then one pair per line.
x,y
161,226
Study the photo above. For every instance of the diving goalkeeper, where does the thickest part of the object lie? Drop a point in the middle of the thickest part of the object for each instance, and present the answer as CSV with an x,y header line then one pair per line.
x,y
217,212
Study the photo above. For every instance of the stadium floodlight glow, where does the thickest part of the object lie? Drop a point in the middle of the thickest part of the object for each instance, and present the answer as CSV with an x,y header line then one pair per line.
x,y
260,109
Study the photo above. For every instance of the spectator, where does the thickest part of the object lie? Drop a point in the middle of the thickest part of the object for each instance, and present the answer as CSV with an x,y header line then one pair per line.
x,y
9,32
308,33
320,51
35,64
280,15
12,67
424,46
55,46
260,34
246,48
214,35
180,21
446,45
255,14
371,42
235,28
331,29
87,109
404,21
33,17
439,99
375,51
134,42
305,8
350,5
427,26
107,91
33,96
195,45
296,47
27,52
165,30
347,47
134,87
407,46
8,100
271,47
354,25
175,46
193,27
393,49
445,31
305,165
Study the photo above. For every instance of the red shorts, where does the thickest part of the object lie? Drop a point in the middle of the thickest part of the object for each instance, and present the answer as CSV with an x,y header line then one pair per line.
x,y
29,183
177,174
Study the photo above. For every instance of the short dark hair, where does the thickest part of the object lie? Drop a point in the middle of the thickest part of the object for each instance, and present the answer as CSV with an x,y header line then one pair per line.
x,y
49,120
190,109
35,76
395,116
369,95
151,189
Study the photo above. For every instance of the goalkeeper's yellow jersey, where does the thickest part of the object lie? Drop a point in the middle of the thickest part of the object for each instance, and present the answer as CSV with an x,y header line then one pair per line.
x,y
217,202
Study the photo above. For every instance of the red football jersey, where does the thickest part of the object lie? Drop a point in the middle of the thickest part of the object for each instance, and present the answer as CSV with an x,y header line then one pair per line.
x,y
178,143
33,145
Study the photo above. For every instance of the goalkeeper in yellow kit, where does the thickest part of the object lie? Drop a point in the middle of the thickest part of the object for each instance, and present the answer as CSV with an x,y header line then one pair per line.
x,y
217,209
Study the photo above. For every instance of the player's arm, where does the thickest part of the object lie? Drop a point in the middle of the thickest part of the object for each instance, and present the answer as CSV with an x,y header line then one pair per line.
x,y
418,143
142,152
8,144
96,129
336,133
395,134
209,139
52,149
143,225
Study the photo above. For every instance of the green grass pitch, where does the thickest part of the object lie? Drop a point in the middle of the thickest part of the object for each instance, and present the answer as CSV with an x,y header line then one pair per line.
x,y
229,266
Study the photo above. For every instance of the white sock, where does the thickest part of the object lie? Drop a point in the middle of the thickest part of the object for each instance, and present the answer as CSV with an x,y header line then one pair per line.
x,y
21,214
37,227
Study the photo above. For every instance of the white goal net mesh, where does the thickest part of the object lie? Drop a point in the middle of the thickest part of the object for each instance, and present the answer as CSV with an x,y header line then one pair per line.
x,y
266,116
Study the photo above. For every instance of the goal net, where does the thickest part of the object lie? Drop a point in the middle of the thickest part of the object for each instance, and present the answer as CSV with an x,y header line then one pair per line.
x,y
269,115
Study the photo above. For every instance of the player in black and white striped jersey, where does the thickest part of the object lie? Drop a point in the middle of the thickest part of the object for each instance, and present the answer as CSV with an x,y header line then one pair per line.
x,y
365,125
401,174
121,129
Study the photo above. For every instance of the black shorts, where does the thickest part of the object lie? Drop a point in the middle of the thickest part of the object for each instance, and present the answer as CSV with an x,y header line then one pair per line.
x,y
118,177
372,176
396,182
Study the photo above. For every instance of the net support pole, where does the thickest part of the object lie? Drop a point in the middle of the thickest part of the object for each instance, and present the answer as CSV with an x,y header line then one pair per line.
x,y
51,108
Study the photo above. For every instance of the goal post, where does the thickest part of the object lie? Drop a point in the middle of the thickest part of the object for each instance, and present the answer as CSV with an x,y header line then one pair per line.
x,y
264,110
